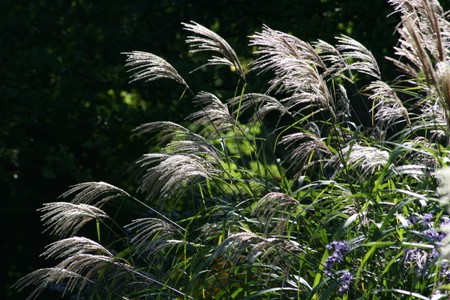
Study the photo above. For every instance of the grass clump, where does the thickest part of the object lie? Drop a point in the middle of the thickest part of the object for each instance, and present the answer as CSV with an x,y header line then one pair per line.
x,y
284,194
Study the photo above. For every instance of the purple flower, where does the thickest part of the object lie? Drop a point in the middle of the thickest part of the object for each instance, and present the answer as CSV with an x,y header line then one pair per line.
x,y
432,235
445,221
413,219
331,261
434,253
427,220
339,246
445,269
443,229
418,258
411,254
345,280
339,250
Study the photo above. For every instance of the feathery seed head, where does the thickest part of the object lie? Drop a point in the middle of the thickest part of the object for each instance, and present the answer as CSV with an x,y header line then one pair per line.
x,y
207,40
44,278
388,107
443,77
213,113
303,147
147,66
167,131
73,246
366,158
165,175
147,228
246,246
424,38
64,218
293,61
275,208
359,57
94,193
331,58
151,235
262,104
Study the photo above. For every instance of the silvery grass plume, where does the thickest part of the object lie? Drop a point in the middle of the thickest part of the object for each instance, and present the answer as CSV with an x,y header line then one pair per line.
x,y
261,104
273,211
147,66
73,246
358,57
424,40
443,106
366,160
428,17
331,57
282,53
387,106
293,60
213,114
304,150
176,139
94,193
152,235
90,266
82,257
250,247
412,40
207,40
164,131
347,56
443,75
185,158
66,219
42,279
302,70
166,175
295,65
82,262
420,151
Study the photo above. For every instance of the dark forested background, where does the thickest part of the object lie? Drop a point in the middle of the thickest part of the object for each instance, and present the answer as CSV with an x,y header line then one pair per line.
x,y
67,110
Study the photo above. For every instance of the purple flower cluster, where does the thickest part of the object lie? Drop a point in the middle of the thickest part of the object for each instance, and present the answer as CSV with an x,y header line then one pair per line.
x,y
433,235
418,257
427,220
339,249
413,219
345,280
422,258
